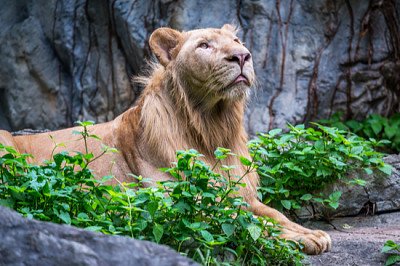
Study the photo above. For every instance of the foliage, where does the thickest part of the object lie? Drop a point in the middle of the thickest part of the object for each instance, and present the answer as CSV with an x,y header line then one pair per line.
x,y
375,127
208,223
391,246
295,166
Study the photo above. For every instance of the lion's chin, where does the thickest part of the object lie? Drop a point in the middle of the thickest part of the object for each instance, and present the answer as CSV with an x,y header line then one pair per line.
x,y
235,92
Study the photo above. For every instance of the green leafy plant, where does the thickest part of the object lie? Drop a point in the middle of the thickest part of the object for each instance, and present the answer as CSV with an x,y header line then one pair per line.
x,y
214,217
383,132
391,246
294,167
206,222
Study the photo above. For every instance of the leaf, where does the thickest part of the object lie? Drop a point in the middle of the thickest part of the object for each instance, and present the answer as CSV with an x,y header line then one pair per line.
x,y
383,142
219,154
243,222
88,156
207,195
158,231
390,131
95,137
375,160
369,171
368,132
207,236
58,158
141,224
18,194
254,231
85,124
335,195
274,132
389,245
83,216
387,169
106,178
180,206
245,161
360,182
354,125
152,207
113,150
228,229
376,127
306,197
392,259
395,119
319,145
131,193
64,216
239,250
285,138
356,150
93,228
319,200
287,204
334,204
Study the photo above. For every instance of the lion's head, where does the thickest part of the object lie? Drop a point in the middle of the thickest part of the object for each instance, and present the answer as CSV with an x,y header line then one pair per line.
x,y
212,63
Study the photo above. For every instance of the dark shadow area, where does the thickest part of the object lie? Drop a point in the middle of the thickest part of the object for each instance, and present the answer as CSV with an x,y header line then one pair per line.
x,y
4,124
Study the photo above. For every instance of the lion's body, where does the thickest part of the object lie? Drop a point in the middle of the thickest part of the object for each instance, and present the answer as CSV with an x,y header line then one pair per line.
x,y
194,98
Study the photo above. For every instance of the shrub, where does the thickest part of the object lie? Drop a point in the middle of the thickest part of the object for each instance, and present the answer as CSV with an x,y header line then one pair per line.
x,y
391,246
294,167
383,132
208,223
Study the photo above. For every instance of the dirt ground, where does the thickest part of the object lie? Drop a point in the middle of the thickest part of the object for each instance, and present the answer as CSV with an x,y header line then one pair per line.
x,y
358,240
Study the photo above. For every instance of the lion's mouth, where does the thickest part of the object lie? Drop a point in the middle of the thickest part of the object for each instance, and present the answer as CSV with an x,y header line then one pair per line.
x,y
241,78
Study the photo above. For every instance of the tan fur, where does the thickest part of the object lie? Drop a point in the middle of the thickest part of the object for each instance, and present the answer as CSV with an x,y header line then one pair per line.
x,y
190,101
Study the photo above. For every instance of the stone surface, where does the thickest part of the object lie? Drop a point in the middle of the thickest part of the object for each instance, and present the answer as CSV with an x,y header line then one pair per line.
x,y
62,61
30,242
361,243
380,194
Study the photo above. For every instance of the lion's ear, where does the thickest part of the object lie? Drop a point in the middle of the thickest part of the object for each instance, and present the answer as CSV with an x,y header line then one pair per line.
x,y
164,43
230,27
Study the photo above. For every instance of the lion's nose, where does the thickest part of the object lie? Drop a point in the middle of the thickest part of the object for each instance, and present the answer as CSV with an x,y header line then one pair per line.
x,y
240,59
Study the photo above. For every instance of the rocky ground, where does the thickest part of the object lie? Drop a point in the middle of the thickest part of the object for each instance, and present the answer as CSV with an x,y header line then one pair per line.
x,y
358,240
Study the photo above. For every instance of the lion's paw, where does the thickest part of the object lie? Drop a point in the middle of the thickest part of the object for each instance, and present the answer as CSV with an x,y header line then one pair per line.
x,y
315,241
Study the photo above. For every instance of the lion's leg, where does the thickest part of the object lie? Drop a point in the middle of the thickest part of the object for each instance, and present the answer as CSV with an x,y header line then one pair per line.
x,y
7,139
315,241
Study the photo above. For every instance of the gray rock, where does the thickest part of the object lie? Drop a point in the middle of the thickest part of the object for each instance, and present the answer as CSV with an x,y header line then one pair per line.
x,y
380,194
30,242
62,61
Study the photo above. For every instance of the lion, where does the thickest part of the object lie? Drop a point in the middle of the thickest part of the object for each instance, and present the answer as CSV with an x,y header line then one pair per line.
x,y
193,98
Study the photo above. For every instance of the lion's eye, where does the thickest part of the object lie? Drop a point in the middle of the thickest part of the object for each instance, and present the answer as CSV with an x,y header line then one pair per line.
x,y
203,45
237,40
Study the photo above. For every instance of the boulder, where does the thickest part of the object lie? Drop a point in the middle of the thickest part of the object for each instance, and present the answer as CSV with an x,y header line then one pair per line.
x,y
379,195
30,242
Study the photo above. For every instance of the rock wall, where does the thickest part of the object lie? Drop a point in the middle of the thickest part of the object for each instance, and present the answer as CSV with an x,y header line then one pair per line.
x,y
68,60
